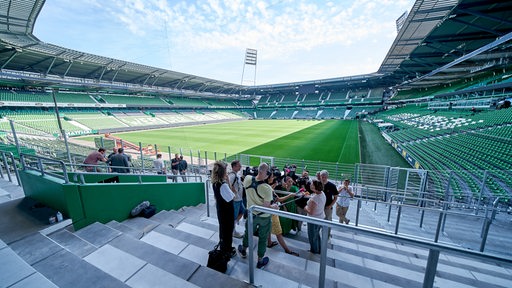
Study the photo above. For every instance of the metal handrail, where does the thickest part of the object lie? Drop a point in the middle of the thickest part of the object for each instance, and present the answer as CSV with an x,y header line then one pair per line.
x,y
41,169
6,154
434,247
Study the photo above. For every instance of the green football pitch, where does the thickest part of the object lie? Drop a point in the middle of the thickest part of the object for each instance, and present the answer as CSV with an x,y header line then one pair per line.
x,y
329,140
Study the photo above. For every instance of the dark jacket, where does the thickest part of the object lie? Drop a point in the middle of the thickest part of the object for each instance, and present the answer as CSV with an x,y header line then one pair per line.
x,y
119,160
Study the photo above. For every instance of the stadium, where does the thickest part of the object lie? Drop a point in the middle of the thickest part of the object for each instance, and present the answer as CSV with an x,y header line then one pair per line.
x,y
425,141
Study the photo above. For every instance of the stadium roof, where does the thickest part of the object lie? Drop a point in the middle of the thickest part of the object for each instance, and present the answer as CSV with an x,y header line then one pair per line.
x,y
445,41
440,42
20,50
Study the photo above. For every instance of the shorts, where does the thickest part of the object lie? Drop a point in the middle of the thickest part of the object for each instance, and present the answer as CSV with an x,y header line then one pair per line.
x,y
239,208
276,225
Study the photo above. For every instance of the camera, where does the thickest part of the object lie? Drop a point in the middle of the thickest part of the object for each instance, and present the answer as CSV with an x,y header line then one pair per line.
x,y
275,172
252,171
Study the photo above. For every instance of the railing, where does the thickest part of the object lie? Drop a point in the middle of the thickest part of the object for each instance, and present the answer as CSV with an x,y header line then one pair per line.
x,y
434,247
5,157
443,213
38,164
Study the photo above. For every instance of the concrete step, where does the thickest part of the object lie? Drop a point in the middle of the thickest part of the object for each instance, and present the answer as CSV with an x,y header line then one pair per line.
x,y
303,269
406,260
374,260
60,266
18,273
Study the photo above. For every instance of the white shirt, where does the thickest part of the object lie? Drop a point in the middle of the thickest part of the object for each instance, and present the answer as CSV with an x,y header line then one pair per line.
x,y
237,184
319,199
226,192
158,164
344,197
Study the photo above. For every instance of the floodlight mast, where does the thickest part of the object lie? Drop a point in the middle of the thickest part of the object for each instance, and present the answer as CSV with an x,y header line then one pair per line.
x,y
251,58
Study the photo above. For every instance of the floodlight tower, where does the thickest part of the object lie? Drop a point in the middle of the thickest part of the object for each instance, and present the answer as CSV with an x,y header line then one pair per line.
x,y
251,59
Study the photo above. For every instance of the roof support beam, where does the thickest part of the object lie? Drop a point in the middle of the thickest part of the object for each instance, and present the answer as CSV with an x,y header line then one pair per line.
x,y
10,58
67,69
477,26
482,49
102,72
482,15
50,67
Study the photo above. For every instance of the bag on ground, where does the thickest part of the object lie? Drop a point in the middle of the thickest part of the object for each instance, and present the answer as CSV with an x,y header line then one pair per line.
x,y
218,260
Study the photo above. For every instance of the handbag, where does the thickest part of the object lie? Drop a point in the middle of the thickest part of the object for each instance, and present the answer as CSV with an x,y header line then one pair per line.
x,y
218,260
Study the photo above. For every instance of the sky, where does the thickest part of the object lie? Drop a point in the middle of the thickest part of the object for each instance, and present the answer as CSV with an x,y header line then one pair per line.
x,y
295,40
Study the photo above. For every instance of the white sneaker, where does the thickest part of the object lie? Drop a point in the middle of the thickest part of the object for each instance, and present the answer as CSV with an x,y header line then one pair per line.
x,y
237,234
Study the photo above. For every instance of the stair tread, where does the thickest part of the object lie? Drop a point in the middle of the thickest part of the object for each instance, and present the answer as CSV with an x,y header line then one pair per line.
x,y
73,243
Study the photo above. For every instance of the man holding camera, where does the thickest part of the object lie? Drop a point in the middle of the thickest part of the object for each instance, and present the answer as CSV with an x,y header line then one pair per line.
x,y
258,193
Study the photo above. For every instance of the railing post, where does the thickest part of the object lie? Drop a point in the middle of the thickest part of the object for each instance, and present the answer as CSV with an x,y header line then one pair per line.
x,y
438,228
358,210
18,149
445,207
65,136
430,271
250,232
389,210
206,161
207,196
141,157
169,152
421,217
192,161
214,156
398,218
488,223
1,169
481,193
15,169
323,257
6,167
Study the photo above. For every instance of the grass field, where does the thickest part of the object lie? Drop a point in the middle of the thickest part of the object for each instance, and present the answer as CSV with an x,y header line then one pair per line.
x,y
330,141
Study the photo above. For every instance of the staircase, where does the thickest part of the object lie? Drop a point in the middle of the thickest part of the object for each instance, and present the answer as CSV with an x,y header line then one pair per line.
x,y
171,249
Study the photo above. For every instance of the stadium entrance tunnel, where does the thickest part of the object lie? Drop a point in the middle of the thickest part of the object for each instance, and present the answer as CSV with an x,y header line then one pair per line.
x,y
88,202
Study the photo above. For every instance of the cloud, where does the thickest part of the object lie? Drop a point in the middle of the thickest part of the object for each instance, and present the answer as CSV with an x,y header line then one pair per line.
x,y
280,27
296,39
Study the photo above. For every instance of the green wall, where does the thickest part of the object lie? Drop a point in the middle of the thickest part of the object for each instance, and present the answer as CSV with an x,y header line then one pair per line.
x,y
128,178
97,202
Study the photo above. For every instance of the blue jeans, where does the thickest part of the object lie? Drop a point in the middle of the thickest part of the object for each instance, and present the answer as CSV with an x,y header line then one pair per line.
x,y
314,238
239,208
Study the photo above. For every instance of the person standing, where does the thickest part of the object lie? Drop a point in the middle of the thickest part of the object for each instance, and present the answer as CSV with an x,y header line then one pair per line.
x,y
315,208
345,194
159,165
118,161
258,193
237,187
93,158
276,228
331,194
182,168
175,162
224,204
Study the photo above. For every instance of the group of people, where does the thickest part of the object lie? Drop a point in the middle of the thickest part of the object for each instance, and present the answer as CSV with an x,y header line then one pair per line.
x,y
178,165
118,161
319,197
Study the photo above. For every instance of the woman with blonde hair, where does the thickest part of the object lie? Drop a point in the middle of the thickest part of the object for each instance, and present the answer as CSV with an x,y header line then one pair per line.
x,y
224,204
